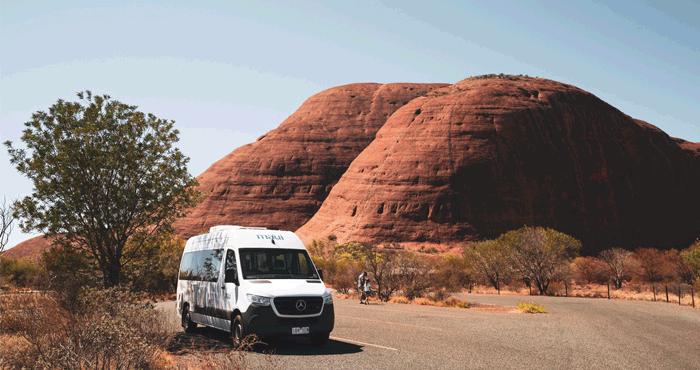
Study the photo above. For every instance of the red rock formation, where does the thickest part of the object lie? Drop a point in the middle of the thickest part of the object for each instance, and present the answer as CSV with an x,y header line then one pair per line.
x,y
281,180
437,165
485,156
30,249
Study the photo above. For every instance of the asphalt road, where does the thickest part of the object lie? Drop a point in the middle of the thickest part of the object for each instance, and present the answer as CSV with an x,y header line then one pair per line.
x,y
576,333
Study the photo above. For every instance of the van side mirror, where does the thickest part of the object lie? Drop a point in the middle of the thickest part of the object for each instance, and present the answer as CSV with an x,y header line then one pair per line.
x,y
320,274
231,276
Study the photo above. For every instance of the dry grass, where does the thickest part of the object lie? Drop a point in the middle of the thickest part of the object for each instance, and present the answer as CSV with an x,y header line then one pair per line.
x,y
109,331
447,302
203,353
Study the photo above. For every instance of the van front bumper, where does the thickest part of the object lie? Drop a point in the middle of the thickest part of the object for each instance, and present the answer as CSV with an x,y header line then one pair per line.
x,y
264,322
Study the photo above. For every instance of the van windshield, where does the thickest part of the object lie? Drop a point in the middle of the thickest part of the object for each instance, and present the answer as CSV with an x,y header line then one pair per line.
x,y
268,263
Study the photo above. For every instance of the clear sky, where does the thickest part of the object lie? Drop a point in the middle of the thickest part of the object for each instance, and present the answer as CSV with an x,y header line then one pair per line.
x,y
229,71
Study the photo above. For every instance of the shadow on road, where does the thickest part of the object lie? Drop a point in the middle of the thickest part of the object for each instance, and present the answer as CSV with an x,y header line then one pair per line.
x,y
207,339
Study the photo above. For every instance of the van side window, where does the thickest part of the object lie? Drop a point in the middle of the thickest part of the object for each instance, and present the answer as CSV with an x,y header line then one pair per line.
x,y
187,267
201,265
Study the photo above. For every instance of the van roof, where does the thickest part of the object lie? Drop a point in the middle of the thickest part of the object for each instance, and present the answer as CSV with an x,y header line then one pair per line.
x,y
214,229
244,237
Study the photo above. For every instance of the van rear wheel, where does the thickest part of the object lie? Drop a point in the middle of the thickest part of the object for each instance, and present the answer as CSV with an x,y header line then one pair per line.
x,y
237,331
187,324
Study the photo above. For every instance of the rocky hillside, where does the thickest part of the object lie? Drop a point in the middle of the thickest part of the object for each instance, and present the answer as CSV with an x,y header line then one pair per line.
x,y
485,156
282,179
436,165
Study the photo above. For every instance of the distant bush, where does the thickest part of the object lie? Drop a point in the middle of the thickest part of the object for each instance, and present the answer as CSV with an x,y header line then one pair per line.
x,y
501,76
454,302
589,270
22,273
691,260
530,307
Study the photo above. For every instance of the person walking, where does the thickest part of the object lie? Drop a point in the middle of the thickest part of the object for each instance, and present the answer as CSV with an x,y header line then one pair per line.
x,y
367,290
361,285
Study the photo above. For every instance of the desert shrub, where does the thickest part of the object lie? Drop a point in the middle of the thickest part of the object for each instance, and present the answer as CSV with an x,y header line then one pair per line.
x,y
619,264
541,254
345,275
454,302
340,263
383,266
380,263
654,266
530,307
110,330
690,259
588,269
424,302
399,299
68,271
491,261
22,273
411,272
451,274
155,265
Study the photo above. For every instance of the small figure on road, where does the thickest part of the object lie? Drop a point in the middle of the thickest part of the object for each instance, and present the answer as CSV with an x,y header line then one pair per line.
x,y
361,285
367,291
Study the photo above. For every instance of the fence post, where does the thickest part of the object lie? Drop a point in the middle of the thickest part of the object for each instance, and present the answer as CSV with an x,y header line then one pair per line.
x,y
566,289
608,290
692,294
679,294
666,286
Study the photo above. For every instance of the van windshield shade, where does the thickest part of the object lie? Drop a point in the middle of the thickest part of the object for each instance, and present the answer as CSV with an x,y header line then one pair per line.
x,y
267,263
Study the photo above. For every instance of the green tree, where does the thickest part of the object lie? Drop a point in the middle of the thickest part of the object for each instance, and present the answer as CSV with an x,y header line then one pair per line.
x,y
104,174
452,274
691,258
541,254
381,264
492,260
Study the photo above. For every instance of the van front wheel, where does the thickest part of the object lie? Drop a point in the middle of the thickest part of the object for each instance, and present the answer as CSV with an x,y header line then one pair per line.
x,y
237,331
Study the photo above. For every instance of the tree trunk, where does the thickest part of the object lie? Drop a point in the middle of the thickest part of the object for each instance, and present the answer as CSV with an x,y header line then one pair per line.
x,y
112,275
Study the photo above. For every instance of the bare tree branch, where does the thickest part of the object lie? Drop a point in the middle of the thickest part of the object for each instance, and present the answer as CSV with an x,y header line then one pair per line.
x,y
6,222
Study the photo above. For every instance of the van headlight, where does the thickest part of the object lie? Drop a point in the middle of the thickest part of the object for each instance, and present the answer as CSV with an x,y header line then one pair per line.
x,y
327,298
257,300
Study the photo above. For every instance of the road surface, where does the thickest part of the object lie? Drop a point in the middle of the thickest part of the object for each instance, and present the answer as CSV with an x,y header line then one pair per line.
x,y
576,333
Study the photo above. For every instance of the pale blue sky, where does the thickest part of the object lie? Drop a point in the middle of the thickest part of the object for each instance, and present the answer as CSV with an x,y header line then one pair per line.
x,y
227,72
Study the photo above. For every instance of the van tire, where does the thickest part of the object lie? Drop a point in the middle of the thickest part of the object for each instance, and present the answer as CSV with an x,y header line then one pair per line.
x,y
187,324
320,339
238,331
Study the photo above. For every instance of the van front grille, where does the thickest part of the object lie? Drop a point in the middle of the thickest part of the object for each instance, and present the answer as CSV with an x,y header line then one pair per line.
x,y
298,305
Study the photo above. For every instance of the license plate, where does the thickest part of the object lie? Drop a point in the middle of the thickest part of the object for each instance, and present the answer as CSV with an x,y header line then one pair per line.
x,y
301,330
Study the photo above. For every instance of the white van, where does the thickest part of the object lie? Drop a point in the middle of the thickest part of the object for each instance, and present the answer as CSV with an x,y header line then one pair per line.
x,y
248,280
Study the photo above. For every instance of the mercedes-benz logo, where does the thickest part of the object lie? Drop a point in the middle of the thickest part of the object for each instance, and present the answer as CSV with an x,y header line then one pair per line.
x,y
301,305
